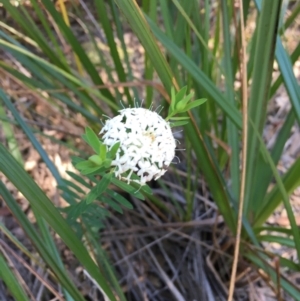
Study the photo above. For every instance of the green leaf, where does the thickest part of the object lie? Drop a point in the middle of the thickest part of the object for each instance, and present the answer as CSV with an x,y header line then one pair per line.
x,y
120,199
282,190
92,170
194,104
198,75
179,118
75,160
95,159
183,102
260,87
45,209
103,151
72,184
104,16
107,163
79,179
31,136
74,211
272,199
180,95
136,19
146,189
112,204
99,188
113,151
284,241
9,134
263,262
128,188
87,167
173,99
11,282
70,193
92,139
178,123
85,164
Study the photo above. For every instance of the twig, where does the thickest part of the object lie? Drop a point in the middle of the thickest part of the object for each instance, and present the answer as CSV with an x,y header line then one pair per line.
x,y
244,154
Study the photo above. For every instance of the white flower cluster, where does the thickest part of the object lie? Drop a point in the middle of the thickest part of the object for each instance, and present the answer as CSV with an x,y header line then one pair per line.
x,y
147,145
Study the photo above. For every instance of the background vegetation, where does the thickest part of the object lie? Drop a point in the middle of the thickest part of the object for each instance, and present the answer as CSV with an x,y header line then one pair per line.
x,y
65,65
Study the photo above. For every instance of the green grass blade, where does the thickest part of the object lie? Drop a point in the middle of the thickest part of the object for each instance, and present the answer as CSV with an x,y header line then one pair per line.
x,y
39,243
41,66
20,15
103,17
280,185
261,80
264,172
289,77
292,17
39,85
263,168
76,46
200,77
51,247
291,181
137,22
263,264
8,132
31,137
284,241
149,70
11,281
43,206
294,57
213,176
233,137
120,33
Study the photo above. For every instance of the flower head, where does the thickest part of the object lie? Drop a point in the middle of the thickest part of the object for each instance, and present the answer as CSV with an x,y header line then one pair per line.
x,y
147,145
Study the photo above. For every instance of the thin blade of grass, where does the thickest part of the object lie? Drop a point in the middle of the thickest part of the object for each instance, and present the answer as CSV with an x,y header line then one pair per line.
x,y
289,77
103,17
138,23
39,243
8,132
11,281
21,16
294,57
272,200
149,70
263,168
263,264
233,137
282,190
31,137
76,46
263,172
261,81
43,206
121,33
44,67
198,76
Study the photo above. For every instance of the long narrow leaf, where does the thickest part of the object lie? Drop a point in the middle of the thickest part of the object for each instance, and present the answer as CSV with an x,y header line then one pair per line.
x,y
17,175
262,72
11,281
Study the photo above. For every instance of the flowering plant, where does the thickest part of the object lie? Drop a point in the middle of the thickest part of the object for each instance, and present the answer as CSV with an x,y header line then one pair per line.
x,y
136,146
